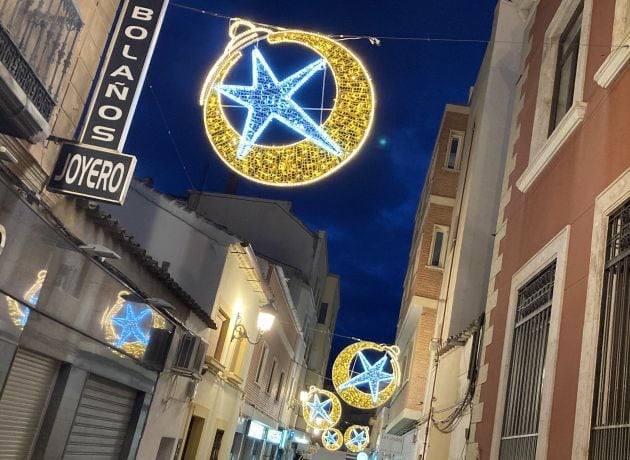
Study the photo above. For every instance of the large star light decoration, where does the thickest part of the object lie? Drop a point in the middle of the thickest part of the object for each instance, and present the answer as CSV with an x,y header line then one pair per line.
x,y
372,375
319,409
269,99
357,437
130,326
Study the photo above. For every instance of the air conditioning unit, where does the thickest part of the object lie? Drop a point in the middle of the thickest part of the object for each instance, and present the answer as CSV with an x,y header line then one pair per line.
x,y
190,355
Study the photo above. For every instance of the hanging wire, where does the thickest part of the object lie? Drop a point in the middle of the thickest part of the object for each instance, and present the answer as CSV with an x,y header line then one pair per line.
x,y
170,135
376,39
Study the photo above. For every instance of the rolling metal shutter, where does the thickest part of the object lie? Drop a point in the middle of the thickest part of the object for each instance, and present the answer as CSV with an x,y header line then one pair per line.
x,y
101,422
23,402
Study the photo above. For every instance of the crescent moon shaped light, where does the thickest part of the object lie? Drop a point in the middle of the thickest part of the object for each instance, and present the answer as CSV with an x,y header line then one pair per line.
x,y
356,438
332,439
321,409
362,382
325,147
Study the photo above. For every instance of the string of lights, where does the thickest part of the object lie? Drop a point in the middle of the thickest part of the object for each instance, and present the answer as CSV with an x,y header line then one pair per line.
x,y
376,39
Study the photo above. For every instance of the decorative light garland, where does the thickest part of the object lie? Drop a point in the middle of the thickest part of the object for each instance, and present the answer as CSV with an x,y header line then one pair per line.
x,y
322,409
365,389
19,313
325,147
127,326
356,438
332,439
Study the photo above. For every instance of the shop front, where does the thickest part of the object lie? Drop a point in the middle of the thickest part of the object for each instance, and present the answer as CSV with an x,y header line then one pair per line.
x,y
80,352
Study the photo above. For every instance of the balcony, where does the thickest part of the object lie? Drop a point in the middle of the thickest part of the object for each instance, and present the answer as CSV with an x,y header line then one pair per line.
x,y
36,44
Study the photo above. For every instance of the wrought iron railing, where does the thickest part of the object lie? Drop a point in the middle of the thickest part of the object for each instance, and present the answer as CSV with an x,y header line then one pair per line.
x,y
37,39
519,438
24,75
610,435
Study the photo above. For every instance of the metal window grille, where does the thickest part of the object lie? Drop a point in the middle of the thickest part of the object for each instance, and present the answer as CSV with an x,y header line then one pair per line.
x,y
610,433
529,348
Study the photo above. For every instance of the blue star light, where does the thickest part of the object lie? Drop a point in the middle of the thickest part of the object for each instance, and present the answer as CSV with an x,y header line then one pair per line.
x,y
318,409
357,437
130,326
372,375
331,437
268,99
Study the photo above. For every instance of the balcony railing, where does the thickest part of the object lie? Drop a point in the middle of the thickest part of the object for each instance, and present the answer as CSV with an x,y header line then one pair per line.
x,y
37,38
24,75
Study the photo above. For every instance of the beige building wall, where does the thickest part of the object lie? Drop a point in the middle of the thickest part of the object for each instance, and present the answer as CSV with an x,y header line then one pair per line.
x,y
218,395
423,281
36,161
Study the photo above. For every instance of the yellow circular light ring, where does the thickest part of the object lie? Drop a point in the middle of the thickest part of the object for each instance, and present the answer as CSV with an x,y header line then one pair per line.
x,y
339,439
133,348
347,437
342,372
334,414
302,162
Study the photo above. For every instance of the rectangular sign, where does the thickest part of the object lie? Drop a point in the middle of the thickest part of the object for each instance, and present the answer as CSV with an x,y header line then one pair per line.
x,y
274,436
256,430
92,173
124,69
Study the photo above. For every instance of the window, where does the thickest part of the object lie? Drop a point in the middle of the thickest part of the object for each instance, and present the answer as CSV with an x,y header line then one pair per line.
x,y
560,108
611,405
566,68
436,256
454,148
261,363
620,51
279,388
524,385
323,312
223,321
273,370
216,445
237,357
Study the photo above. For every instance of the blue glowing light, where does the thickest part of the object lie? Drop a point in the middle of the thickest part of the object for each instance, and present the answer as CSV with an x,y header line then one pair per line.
x,y
362,456
23,319
372,376
25,311
130,325
319,409
331,438
268,99
357,437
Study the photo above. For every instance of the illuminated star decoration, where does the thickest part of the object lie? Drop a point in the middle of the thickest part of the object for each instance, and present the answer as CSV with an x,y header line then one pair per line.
x,y
269,99
331,438
130,326
372,375
357,438
319,410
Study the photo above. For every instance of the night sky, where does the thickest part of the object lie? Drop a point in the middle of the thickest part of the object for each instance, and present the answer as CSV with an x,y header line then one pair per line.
x,y
368,207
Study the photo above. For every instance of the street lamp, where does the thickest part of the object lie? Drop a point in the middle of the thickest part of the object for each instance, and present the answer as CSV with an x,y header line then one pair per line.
x,y
266,316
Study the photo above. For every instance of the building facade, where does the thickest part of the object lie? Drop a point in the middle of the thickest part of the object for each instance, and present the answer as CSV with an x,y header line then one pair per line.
x,y
552,381
283,240
425,272
455,360
272,380
199,419
84,338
